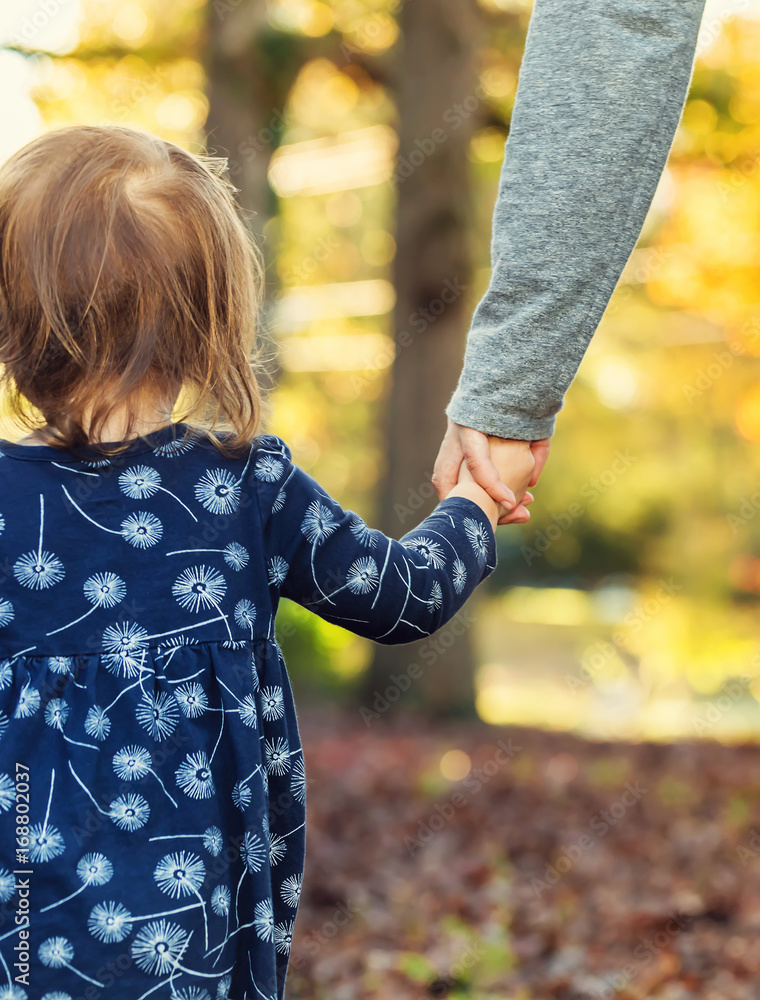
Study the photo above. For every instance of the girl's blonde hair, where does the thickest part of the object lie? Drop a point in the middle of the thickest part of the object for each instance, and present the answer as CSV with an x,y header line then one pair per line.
x,y
125,270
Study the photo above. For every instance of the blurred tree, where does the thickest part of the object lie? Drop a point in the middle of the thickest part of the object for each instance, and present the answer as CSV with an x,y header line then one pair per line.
x,y
250,70
439,111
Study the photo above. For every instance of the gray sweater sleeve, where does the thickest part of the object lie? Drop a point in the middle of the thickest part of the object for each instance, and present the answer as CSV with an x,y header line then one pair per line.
x,y
601,90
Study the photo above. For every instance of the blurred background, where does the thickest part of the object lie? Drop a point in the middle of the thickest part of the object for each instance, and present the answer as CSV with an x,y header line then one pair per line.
x,y
366,138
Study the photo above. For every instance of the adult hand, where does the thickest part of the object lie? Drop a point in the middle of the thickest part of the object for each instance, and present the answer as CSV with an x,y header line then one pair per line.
x,y
472,446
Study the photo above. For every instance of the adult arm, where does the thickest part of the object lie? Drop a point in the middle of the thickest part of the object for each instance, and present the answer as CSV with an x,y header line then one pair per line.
x,y
601,90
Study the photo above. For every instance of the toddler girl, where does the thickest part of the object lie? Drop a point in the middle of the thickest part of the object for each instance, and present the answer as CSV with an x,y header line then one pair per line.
x,y
152,783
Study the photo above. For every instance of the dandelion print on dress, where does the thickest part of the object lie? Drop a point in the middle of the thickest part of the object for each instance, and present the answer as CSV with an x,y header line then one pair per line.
x,y
40,569
143,690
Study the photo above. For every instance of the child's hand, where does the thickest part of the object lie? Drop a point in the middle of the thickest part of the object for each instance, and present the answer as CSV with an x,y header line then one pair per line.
x,y
515,463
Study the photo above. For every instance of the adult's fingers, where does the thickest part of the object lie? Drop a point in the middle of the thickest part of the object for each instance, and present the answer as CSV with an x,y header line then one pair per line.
x,y
448,460
477,450
540,451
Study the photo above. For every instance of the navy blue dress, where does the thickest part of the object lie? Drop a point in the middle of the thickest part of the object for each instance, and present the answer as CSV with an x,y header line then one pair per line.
x,y
152,783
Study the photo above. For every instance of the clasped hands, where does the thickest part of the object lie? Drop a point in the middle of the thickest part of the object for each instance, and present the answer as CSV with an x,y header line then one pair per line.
x,y
504,468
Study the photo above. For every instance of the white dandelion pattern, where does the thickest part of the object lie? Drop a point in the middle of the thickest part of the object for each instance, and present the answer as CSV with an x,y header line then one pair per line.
x,y
241,795
28,702
143,643
218,491
45,842
268,469
362,532
192,699
435,601
7,613
460,575
245,614
180,874
142,482
277,755
278,847
124,648
142,530
158,946
110,922
283,936
277,571
194,776
252,852
60,664
129,812
7,792
477,534
249,712
101,590
7,885
97,724
221,898
199,587
298,780
213,840
159,714
362,576
263,920
430,550
290,890
39,569
272,702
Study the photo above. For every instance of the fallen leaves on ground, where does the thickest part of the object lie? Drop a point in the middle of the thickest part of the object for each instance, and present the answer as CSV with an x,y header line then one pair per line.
x,y
556,868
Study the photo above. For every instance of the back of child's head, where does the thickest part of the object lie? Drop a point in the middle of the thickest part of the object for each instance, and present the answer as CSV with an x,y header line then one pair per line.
x,y
125,269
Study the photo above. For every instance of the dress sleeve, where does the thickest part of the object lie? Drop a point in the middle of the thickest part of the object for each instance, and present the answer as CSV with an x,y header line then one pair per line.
x,y
330,561
601,89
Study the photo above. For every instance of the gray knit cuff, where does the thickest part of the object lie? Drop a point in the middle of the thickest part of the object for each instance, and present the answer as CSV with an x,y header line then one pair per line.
x,y
505,424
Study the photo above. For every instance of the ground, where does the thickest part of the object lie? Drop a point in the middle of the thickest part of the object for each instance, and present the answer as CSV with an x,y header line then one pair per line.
x,y
558,868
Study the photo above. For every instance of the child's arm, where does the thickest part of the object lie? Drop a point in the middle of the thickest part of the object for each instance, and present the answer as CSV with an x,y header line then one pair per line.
x,y
331,562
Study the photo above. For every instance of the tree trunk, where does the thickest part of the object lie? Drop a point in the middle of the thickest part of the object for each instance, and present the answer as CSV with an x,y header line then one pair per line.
x,y
248,87
439,112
